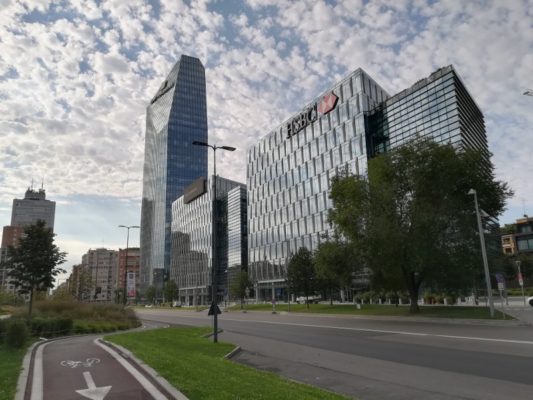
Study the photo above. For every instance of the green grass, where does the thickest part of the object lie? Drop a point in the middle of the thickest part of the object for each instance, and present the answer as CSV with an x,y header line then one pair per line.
x,y
195,365
10,367
385,310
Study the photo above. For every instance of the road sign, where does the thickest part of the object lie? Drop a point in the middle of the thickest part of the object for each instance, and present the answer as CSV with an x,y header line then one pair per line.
x,y
92,392
214,308
501,286
520,279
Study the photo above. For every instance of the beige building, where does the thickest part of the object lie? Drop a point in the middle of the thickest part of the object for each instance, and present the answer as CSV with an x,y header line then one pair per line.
x,y
102,265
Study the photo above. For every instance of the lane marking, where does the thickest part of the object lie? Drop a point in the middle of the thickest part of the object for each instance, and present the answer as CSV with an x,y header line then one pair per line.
x,y
92,392
150,388
37,384
88,363
527,342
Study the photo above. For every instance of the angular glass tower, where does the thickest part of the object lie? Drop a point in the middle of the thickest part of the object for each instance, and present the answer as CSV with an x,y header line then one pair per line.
x,y
176,116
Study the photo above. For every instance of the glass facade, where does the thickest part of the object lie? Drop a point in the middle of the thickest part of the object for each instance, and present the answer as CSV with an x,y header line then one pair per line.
x,y
290,170
176,116
192,230
438,107
289,173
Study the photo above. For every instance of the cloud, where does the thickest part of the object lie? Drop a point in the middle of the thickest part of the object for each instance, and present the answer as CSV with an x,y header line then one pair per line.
x,y
76,77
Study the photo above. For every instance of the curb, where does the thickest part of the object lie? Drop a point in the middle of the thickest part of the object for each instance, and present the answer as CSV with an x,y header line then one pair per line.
x,y
450,321
125,353
22,381
232,353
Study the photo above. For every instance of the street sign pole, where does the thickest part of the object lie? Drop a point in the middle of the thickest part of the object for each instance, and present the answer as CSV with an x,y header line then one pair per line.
x,y
521,280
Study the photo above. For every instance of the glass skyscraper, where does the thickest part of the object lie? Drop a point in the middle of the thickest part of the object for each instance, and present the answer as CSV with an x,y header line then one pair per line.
x,y
176,116
289,170
192,230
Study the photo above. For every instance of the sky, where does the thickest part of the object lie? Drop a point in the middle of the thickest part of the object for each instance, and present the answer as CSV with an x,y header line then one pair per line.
x,y
76,78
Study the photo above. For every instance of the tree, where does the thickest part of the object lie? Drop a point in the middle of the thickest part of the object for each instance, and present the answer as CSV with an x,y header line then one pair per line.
x,y
334,264
34,261
412,220
171,291
301,276
239,285
150,293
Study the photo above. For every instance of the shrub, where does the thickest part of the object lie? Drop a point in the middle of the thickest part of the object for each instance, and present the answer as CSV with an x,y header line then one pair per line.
x,y
48,327
16,333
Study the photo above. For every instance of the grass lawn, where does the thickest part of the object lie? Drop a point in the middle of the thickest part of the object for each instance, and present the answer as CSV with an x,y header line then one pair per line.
x,y
386,310
195,365
10,367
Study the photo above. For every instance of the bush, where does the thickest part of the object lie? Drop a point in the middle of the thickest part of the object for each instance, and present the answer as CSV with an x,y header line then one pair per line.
x,y
3,328
49,327
16,333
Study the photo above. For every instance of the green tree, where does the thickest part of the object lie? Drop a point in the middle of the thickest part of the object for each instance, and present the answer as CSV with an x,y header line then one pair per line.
x,y
150,293
335,264
239,285
34,262
301,276
412,220
171,291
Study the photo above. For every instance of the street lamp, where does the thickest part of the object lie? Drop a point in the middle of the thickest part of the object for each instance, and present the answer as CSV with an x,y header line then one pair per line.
x,y
215,220
483,253
126,262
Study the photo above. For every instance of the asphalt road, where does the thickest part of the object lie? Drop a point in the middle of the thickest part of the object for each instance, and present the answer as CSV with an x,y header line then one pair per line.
x,y
380,359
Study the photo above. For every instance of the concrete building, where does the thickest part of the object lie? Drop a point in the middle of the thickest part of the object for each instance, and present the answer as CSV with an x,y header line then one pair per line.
x,y
27,211
192,233
129,264
175,117
290,170
102,265
521,240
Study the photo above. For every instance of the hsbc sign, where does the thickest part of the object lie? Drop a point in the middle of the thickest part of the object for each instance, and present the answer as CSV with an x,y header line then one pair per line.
x,y
310,114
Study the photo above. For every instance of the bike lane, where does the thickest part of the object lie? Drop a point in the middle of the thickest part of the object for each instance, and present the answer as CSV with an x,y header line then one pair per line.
x,y
80,368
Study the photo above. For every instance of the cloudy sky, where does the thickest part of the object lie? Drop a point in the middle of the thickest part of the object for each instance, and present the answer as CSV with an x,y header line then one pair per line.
x,y
76,77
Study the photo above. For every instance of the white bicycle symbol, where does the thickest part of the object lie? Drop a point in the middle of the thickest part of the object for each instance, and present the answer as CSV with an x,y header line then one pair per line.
x,y
75,364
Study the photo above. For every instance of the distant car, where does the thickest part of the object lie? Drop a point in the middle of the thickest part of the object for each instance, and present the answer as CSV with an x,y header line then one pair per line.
x,y
310,300
530,301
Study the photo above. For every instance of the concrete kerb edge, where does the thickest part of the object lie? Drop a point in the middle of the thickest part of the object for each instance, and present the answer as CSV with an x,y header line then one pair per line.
x,y
149,370
232,353
22,382
450,321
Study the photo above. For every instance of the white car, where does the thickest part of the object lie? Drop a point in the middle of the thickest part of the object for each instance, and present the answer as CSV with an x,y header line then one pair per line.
x,y
530,301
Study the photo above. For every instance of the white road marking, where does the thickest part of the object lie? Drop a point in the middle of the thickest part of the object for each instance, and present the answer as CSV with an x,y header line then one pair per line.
x,y
150,388
37,384
88,363
92,392
527,342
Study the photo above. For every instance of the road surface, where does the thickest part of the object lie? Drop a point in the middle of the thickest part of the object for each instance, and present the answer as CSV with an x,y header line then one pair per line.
x,y
379,359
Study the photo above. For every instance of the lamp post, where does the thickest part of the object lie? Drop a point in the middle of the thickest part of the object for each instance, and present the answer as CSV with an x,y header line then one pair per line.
x,y
483,253
126,262
213,246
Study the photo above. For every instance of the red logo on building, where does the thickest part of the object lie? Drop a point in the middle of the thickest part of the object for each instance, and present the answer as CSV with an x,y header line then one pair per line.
x,y
327,103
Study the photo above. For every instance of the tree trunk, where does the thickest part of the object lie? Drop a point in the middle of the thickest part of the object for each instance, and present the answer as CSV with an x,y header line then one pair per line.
x,y
413,308
30,309
331,296
307,301
242,303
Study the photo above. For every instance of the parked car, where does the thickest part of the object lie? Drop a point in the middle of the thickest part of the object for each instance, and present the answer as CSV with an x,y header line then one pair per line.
x,y
530,301
310,299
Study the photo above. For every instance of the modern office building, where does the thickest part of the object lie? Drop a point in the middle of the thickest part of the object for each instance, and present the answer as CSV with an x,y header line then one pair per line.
x,y
192,230
176,116
102,265
290,170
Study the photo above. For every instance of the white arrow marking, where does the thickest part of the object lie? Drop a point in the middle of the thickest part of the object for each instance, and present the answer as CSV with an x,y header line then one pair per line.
x,y
93,392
